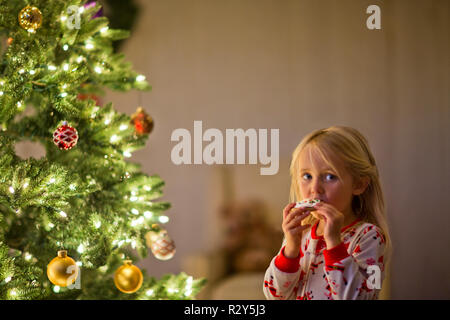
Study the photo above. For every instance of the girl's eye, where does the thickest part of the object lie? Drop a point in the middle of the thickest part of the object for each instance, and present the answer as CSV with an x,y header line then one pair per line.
x,y
306,176
330,177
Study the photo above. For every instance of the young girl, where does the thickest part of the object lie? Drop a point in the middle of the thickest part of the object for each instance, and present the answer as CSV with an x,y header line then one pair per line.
x,y
337,250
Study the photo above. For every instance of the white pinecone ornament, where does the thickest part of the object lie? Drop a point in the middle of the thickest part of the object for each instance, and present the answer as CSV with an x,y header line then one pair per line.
x,y
162,246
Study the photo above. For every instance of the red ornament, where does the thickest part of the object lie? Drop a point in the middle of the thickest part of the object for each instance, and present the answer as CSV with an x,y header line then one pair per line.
x,y
65,137
143,123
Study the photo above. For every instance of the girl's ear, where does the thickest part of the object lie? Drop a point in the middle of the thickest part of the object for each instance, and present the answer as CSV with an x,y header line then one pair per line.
x,y
360,185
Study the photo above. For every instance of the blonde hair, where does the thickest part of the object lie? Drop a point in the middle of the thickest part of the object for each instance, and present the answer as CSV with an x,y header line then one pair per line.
x,y
353,149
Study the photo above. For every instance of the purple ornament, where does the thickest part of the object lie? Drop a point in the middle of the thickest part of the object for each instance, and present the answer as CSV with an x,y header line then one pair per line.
x,y
91,4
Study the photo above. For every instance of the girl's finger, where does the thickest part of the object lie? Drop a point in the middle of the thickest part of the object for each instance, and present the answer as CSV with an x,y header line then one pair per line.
x,y
287,209
300,212
300,229
297,220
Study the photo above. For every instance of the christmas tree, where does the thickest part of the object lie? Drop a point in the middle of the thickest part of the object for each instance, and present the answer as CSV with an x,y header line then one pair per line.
x,y
73,223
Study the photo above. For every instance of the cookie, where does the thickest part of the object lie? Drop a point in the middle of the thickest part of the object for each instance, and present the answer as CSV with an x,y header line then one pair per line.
x,y
307,203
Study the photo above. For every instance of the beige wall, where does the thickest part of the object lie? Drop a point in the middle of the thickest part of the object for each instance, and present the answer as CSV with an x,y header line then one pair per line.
x,y
299,66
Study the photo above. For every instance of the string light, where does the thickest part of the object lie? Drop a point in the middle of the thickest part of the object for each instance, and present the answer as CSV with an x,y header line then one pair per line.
x,y
11,189
113,138
63,214
140,78
148,214
188,288
80,248
163,219
127,154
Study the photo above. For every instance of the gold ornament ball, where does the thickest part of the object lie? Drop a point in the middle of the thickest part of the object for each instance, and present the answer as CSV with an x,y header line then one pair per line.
x,y
30,18
60,271
128,278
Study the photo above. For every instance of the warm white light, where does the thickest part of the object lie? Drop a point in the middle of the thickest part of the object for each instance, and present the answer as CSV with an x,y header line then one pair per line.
x,y
32,72
89,46
63,18
56,289
135,211
147,188
113,138
21,71
149,292
11,189
66,67
52,68
107,121
63,95
133,198
80,248
163,219
126,154
1,93
123,127
140,77
65,47
72,187
52,180
103,30
148,214
98,69
79,59
97,224
7,279
28,256
63,214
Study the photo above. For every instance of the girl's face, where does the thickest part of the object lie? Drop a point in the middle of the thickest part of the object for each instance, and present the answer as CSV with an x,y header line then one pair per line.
x,y
318,180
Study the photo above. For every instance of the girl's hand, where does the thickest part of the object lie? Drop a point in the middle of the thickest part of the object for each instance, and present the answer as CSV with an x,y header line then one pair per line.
x,y
293,229
334,221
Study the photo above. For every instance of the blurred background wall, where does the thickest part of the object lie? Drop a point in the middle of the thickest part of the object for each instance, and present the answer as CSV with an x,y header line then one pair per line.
x,y
298,66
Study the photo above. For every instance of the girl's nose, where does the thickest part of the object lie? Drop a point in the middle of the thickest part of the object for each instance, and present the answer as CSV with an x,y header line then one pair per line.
x,y
316,187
